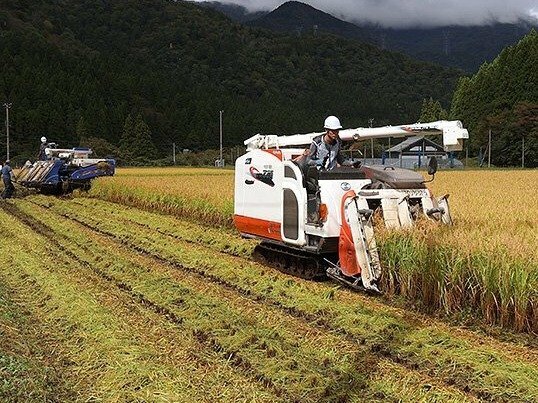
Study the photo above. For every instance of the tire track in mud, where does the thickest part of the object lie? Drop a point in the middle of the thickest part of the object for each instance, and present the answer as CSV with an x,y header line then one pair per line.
x,y
233,357
380,350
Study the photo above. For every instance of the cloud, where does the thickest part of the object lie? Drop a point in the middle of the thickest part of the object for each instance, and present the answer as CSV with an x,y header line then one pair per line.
x,y
404,13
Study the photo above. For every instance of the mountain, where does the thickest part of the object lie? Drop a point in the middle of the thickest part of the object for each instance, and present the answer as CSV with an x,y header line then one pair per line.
x,y
502,97
462,47
297,17
456,46
78,69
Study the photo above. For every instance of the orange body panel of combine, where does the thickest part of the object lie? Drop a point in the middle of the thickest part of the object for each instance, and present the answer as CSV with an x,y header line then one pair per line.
x,y
346,247
256,226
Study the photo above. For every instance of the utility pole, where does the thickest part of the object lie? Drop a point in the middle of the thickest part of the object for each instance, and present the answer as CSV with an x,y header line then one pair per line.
x,y
220,161
7,105
489,149
174,152
371,121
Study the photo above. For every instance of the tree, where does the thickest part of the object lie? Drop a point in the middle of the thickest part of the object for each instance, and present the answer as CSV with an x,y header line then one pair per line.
x,y
126,152
82,130
136,145
143,148
511,129
432,111
100,147
502,96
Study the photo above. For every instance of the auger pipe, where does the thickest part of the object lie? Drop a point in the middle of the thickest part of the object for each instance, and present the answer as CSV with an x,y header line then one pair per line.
x,y
452,131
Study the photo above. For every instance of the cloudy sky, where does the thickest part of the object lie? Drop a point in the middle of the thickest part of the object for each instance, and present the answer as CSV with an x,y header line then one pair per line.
x,y
398,13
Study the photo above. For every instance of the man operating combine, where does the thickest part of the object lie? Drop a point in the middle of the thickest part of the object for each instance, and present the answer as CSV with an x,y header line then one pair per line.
x,y
325,150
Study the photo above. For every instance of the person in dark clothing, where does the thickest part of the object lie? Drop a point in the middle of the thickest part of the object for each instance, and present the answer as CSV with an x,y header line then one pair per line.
x,y
325,150
7,174
42,156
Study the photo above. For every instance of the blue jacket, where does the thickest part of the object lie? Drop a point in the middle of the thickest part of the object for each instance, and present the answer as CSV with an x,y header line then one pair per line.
x,y
6,172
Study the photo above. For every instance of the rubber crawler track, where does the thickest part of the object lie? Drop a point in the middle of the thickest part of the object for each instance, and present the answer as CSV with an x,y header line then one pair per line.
x,y
378,349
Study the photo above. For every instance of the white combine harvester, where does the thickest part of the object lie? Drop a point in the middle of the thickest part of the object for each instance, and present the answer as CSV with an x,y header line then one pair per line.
x,y
316,223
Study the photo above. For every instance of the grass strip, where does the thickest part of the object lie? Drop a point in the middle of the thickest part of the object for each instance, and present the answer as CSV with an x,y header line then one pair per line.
x,y
139,192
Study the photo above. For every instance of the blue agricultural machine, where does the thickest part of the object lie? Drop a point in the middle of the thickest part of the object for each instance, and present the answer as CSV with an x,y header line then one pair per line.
x,y
64,170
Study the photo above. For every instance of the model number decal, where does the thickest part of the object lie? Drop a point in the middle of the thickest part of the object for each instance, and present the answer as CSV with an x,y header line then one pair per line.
x,y
416,192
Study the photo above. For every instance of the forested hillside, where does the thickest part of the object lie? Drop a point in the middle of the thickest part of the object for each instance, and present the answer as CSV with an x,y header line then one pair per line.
x,y
77,69
235,11
503,97
464,47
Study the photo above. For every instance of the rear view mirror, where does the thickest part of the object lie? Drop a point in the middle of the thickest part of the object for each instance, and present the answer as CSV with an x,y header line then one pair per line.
x,y
432,166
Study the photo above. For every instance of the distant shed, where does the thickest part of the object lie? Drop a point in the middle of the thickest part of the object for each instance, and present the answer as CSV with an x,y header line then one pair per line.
x,y
416,151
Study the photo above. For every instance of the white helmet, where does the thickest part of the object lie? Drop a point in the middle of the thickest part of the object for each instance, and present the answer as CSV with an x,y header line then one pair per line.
x,y
43,139
332,123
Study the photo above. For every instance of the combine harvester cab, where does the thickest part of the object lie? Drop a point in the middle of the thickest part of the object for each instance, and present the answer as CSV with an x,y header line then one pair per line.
x,y
316,223
64,170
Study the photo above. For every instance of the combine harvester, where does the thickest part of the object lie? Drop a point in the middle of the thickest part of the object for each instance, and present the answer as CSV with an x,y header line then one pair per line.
x,y
64,170
316,223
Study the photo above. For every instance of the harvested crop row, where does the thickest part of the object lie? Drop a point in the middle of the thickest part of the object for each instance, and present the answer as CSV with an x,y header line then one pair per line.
x,y
398,253
393,332
220,239
112,347
290,349
29,368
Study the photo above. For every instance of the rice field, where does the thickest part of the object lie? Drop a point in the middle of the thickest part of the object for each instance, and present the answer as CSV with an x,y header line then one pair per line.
x,y
142,291
486,263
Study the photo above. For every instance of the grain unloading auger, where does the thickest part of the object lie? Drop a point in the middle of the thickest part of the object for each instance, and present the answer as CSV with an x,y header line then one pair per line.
x,y
64,170
317,223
